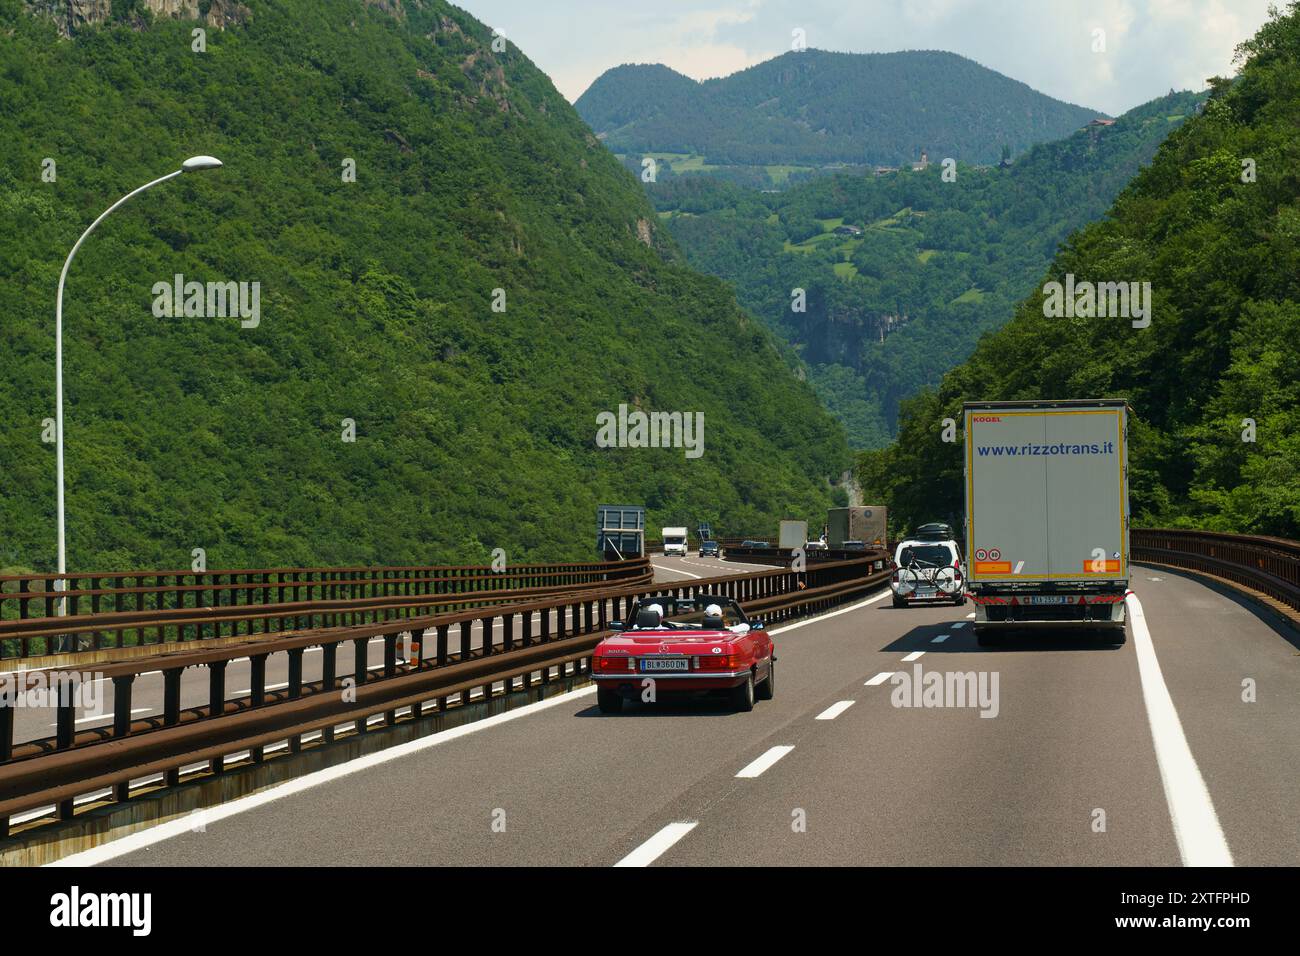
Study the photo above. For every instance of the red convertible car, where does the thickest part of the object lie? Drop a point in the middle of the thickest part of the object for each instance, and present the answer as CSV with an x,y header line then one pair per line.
x,y
703,644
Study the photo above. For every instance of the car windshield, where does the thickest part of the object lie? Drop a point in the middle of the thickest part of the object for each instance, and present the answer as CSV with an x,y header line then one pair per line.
x,y
673,539
688,613
710,544
932,555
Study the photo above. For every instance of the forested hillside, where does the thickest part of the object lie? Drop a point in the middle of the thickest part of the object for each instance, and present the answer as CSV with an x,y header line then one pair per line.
x,y
1214,225
935,263
813,107
475,428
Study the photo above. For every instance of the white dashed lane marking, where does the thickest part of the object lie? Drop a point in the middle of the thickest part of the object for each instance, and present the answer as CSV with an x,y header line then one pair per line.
x,y
657,845
762,763
834,710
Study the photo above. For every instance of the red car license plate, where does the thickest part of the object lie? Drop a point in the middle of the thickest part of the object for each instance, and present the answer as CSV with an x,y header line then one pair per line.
x,y
665,664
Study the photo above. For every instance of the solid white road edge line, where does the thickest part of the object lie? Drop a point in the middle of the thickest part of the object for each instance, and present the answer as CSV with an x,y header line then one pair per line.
x,y
165,831
210,815
657,845
1196,826
834,710
757,766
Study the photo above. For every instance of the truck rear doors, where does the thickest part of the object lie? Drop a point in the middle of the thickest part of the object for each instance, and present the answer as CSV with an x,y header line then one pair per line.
x,y
1046,492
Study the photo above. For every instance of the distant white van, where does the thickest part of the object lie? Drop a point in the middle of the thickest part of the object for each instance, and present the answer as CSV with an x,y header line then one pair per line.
x,y
675,541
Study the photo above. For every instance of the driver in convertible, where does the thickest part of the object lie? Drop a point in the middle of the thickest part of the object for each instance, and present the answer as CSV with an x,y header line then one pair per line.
x,y
713,618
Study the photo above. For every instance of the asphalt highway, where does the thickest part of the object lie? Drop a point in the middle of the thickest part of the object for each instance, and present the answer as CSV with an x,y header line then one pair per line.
x,y
1093,753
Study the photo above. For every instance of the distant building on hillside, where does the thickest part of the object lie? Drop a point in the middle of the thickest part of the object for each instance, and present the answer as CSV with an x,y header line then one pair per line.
x,y
847,230
923,164
886,170
1096,126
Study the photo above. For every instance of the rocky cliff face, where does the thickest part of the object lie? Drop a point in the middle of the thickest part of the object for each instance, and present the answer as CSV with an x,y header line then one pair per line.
x,y
74,15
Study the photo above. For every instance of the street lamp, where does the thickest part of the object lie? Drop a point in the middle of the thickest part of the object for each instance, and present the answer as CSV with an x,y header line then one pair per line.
x,y
193,164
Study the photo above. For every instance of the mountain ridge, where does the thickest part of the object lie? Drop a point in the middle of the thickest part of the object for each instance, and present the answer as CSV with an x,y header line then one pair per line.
x,y
820,107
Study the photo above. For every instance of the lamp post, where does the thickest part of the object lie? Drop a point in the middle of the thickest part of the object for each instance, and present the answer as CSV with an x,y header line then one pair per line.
x,y
193,164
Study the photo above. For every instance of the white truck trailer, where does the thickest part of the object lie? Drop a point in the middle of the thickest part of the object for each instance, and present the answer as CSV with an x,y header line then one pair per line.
x,y
793,534
866,524
1047,515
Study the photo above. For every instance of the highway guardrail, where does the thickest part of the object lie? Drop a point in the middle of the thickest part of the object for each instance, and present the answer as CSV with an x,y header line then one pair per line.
x,y
56,770
160,607
1267,566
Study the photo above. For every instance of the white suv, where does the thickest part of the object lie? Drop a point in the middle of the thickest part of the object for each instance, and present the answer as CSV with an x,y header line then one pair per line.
x,y
928,572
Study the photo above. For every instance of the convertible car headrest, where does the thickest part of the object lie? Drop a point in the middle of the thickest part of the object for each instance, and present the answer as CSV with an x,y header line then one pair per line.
x,y
713,617
649,616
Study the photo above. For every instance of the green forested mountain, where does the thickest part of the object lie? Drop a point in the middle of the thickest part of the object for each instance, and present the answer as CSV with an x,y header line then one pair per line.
x,y
475,428
936,264
1214,225
813,107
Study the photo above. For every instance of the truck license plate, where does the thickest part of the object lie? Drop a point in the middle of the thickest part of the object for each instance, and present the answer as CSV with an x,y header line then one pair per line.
x,y
1047,599
665,664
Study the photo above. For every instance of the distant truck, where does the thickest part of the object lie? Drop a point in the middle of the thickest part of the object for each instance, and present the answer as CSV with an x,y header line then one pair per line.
x,y
1047,514
866,524
793,534
675,541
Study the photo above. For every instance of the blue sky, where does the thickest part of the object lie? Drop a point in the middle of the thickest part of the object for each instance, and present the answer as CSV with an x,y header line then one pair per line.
x,y
1150,45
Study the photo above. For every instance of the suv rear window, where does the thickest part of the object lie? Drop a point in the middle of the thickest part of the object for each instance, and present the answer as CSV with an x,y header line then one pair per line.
x,y
935,555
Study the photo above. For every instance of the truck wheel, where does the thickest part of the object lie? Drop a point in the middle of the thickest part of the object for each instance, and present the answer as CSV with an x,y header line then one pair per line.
x,y
742,697
767,689
609,701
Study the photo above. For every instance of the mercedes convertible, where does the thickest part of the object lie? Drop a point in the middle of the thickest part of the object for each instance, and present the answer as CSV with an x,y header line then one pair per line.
x,y
700,645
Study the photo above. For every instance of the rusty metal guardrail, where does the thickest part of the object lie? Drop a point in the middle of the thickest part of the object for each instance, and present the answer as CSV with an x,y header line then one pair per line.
x,y
157,607
54,771
1269,566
